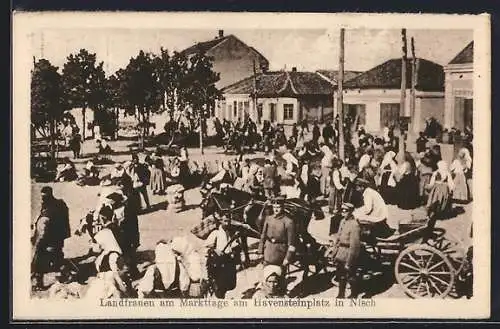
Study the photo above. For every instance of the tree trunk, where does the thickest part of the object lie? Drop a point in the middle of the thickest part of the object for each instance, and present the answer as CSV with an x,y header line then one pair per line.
x,y
84,128
52,139
117,124
201,135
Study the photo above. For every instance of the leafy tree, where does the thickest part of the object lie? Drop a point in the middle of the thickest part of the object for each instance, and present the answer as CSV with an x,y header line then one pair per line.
x,y
47,101
199,91
139,89
83,82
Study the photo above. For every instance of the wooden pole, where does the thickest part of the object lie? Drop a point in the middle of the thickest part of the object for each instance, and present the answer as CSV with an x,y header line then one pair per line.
x,y
340,108
413,83
255,92
400,134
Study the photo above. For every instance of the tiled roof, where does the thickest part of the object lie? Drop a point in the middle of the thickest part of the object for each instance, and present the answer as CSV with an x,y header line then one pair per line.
x,y
430,76
203,46
282,84
332,75
465,56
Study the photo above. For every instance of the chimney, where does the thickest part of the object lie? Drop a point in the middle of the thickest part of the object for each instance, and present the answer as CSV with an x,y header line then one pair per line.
x,y
221,34
294,69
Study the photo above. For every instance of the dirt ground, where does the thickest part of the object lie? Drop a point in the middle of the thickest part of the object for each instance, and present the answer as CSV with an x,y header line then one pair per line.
x,y
164,224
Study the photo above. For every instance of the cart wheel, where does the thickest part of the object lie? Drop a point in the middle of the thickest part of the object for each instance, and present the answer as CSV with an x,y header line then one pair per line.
x,y
424,272
449,245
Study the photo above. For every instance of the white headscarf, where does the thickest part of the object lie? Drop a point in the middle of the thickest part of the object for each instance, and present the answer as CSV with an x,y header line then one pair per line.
x,y
388,158
364,161
465,155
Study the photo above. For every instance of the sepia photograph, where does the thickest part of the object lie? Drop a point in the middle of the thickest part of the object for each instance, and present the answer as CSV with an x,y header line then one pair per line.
x,y
213,163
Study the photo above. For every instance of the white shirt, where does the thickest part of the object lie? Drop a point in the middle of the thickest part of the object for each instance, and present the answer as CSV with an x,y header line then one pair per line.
x,y
374,208
219,238
326,161
336,179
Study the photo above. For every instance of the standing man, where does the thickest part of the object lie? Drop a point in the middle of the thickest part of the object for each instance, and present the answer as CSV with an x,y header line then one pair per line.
x,y
75,144
277,241
328,134
346,250
315,132
270,178
326,168
49,231
140,175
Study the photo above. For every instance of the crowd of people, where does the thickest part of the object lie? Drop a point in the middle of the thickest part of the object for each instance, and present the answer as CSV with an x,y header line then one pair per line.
x,y
375,172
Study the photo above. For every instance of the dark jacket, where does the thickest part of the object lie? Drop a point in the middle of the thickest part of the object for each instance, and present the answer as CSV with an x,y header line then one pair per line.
x,y
277,241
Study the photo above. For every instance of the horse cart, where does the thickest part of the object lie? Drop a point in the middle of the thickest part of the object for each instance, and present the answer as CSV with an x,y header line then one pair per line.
x,y
426,260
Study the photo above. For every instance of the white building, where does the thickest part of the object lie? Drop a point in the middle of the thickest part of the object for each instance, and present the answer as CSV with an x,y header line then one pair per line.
x,y
459,89
375,95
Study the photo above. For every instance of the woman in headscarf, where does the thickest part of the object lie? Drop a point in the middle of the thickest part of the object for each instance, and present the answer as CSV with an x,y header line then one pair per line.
x,y
459,168
387,183
192,261
441,187
164,275
425,170
272,284
224,175
112,280
157,182
300,139
184,172
407,196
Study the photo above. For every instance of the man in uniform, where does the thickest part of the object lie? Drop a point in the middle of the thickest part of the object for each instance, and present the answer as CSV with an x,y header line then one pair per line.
x,y
48,234
277,241
346,251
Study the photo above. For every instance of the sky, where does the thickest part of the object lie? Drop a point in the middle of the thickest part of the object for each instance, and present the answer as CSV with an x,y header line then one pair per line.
x,y
305,49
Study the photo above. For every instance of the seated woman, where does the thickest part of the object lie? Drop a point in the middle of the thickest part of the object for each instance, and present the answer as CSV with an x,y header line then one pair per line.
x,y
66,172
113,280
441,189
223,176
373,214
103,147
90,175
165,276
407,189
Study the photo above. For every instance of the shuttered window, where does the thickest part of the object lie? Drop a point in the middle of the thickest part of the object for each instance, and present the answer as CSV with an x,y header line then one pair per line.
x,y
389,114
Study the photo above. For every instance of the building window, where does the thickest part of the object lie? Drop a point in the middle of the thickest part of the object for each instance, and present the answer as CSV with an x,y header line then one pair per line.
x,y
235,109
287,111
355,111
389,114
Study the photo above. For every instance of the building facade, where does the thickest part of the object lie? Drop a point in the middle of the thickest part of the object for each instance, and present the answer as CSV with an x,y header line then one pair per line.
x,y
232,58
374,96
459,92
284,97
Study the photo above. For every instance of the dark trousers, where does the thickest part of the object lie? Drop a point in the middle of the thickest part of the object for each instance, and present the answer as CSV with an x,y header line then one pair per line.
x,y
345,276
144,192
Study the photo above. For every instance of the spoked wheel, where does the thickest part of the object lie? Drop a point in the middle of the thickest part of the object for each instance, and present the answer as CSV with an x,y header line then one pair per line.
x,y
449,245
424,272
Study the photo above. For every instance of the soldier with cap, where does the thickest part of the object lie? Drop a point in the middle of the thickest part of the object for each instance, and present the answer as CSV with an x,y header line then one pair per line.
x,y
49,231
277,241
346,250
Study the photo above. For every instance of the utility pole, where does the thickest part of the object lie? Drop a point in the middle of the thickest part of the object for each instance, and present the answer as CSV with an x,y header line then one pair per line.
x,y
340,107
255,92
413,79
401,148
